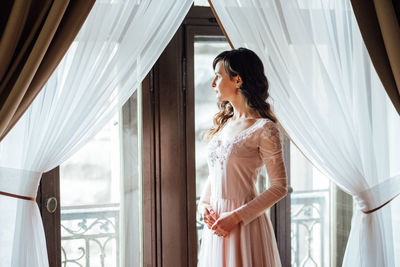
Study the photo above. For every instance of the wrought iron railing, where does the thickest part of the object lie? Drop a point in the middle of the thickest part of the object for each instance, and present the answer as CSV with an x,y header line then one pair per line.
x,y
90,234
309,225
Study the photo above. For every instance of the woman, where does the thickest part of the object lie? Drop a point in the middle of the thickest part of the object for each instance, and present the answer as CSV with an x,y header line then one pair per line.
x,y
244,138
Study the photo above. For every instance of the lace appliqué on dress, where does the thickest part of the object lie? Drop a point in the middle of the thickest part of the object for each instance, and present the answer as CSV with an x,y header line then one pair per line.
x,y
220,150
270,143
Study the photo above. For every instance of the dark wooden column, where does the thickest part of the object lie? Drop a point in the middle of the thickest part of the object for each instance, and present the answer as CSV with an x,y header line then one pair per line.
x,y
48,199
164,160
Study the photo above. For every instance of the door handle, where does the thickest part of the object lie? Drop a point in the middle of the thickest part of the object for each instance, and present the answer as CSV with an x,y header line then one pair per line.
x,y
51,205
289,189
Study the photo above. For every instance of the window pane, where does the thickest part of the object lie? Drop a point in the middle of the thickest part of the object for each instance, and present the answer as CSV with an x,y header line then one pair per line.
x,y
320,215
100,196
205,50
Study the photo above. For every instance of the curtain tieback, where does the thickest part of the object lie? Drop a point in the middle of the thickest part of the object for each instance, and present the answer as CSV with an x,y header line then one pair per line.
x,y
17,196
220,24
18,183
378,196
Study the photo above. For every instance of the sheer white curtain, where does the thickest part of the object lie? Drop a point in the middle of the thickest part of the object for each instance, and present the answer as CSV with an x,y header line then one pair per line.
x,y
118,44
329,99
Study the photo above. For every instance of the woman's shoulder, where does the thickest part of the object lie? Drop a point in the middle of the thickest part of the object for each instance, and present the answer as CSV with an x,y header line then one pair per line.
x,y
266,124
269,130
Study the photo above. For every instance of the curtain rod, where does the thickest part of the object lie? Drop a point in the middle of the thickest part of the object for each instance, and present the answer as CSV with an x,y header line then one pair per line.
x,y
220,24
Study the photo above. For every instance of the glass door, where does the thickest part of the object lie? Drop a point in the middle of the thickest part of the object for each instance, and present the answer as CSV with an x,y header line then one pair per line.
x,y
205,50
320,215
100,193
203,45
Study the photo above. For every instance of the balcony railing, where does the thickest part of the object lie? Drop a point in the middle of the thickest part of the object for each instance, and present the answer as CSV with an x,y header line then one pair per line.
x,y
90,235
309,227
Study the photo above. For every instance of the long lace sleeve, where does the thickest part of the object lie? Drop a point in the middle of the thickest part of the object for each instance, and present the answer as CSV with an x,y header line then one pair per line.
x,y
205,197
270,150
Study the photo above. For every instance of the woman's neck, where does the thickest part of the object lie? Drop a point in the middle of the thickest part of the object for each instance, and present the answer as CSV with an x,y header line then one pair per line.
x,y
242,111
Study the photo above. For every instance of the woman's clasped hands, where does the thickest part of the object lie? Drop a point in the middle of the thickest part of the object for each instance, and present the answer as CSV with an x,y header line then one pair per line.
x,y
223,224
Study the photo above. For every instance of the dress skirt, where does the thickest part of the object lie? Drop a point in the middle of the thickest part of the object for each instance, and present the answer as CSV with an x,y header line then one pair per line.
x,y
251,245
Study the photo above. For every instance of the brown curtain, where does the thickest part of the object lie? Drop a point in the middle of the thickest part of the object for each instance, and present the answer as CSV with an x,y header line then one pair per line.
x,y
35,35
379,23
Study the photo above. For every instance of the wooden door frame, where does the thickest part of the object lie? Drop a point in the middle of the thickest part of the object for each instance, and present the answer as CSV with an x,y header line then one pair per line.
x,y
164,160
48,192
280,214
202,22
170,208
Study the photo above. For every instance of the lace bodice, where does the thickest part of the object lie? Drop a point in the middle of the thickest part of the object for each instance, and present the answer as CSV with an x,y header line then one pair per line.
x,y
234,165
223,148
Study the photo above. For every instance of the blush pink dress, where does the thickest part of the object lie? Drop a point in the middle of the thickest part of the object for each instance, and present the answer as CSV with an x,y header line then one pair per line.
x,y
234,165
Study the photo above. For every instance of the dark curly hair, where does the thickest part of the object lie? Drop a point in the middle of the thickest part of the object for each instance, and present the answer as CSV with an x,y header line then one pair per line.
x,y
254,88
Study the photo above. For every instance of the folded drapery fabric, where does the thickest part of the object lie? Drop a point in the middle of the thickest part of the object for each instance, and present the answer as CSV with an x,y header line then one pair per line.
x,y
113,52
329,99
20,182
376,196
379,23
34,39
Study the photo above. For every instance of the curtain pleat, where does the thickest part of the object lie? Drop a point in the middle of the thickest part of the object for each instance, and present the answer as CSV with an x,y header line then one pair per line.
x,y
34,37
379,25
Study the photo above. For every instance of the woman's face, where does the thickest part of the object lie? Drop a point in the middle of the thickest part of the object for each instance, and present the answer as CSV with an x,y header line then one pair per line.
x,y
225,87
